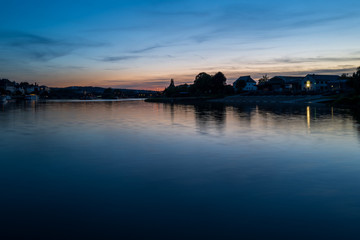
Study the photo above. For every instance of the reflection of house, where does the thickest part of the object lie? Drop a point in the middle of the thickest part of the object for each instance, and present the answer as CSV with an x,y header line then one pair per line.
x,y
285,83
250,83
321,83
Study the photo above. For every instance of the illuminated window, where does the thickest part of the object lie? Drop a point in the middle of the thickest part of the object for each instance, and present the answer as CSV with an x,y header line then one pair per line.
x,y
308,84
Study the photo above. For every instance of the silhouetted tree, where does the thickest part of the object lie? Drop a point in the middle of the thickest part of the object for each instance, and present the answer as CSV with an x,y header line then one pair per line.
x,y
239,85
171,89
108,94
217,83
229,90
182,88
344,76
263,79
202,83
354,81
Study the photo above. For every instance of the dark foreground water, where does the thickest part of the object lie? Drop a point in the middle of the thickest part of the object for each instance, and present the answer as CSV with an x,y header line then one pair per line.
x,y
136,170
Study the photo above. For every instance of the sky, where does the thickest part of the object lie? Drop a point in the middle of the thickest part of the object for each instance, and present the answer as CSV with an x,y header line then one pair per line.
x,y
142,44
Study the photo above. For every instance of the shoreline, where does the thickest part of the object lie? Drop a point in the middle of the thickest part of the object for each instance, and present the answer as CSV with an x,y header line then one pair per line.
x,y
263,100
302,99
236,99
180,100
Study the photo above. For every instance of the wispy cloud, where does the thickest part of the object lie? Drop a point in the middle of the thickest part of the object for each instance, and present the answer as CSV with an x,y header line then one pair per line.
x,y
283,72
142,50
118,58
316,59
66,67
40,48
137,84
180,13
325,71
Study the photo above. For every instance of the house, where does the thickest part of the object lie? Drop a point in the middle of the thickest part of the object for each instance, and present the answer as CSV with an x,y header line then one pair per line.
x,y
44,88
7,85
321,83
285,83
250,83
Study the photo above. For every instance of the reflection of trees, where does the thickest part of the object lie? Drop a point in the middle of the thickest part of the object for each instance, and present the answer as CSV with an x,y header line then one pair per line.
x,y
244,111
210,115
317,117
207,115
356,115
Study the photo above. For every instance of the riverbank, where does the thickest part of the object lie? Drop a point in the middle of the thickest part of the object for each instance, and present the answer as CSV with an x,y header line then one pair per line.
x,y
275,99
342,101
248,99
180,99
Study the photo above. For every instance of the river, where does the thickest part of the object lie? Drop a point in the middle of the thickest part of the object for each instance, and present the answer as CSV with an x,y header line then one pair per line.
x,y
137,170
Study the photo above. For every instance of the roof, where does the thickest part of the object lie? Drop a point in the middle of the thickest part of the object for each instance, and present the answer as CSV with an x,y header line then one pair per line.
x,y
323,77
246,79
290,79
285,80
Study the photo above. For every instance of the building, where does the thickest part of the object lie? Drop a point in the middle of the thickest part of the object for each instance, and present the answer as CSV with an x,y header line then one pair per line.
x,y
12,87
285,83
322,83
8,86
250,83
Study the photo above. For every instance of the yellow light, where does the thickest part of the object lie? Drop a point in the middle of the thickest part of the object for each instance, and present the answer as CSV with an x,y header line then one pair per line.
x,y
308,116
308,84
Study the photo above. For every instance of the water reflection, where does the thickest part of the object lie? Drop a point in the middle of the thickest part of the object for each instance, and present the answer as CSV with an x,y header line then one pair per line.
x,y
218,119
106,170
209,118
209,115
308,116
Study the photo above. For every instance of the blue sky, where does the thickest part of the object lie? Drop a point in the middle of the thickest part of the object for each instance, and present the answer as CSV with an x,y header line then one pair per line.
x,y
142,44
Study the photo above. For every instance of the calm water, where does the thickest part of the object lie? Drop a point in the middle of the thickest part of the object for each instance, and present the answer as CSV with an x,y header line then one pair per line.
x,y
136,170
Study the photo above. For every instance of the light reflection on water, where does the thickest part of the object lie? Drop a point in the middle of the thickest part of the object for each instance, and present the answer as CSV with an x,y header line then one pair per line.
x,y
136,170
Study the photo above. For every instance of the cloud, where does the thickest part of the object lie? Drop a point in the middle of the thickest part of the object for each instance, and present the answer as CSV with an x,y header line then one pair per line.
x,y
316,59
318,20
249,22
129,57
148,48
159,83
156,46
40,48
118,58
326,71
338,71
179,13
66,67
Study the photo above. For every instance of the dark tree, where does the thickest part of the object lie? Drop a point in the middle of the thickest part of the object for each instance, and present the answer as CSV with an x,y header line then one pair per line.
x,y
354,81
239,85
229,90
171,89
263,80
218,82
108,94
202,83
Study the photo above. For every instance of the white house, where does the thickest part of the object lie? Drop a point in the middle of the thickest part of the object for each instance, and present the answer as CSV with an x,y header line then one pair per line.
x,y
250,83
314,82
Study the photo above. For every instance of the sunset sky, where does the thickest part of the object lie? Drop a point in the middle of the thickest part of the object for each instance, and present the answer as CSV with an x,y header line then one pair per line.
x,y
143,43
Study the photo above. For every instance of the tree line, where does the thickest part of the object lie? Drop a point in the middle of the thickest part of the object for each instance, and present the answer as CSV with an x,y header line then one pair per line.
x,y
204,85
354,80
